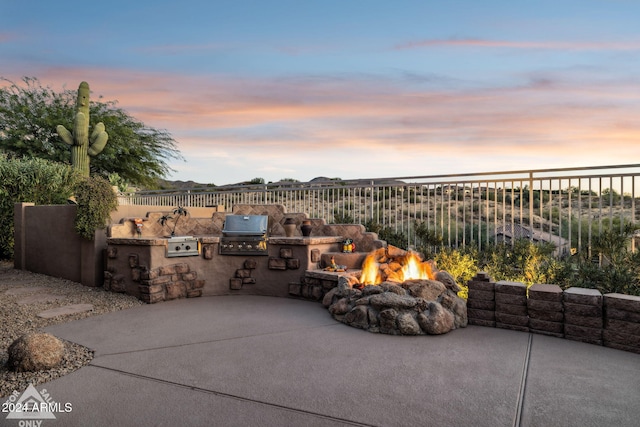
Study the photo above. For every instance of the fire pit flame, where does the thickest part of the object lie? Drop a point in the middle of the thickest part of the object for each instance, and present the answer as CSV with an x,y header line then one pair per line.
x,y
379,267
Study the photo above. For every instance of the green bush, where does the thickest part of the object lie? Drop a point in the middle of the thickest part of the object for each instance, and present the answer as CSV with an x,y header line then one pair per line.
x,y
38,181
96,199
387,234
428,241
461,264
618,268
341,215
523,261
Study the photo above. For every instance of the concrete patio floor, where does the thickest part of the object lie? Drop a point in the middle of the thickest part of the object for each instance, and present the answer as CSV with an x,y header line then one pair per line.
x,y
263,361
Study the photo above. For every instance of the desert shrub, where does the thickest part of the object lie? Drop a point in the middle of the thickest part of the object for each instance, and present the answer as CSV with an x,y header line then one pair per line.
x,y
618,269
96,199
393,237
523,261
341,215
372,226
387,234
38,181
461,264
428,241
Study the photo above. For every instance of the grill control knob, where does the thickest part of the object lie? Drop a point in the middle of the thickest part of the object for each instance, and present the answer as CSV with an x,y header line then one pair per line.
x,y
187,247
177,248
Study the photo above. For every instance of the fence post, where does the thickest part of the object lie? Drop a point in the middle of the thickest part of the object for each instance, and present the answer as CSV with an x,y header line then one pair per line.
x,y
531,203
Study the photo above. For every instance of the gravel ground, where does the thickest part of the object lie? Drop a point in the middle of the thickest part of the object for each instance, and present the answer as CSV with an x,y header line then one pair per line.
x,y
17,320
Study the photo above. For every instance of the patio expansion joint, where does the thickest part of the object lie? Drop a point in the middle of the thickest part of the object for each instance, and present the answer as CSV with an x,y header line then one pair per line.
x,y
236,397
209,341
523,384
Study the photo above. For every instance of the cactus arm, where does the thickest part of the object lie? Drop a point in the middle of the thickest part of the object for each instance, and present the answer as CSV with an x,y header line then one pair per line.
x,y
97,130
81,129
98,143
64,134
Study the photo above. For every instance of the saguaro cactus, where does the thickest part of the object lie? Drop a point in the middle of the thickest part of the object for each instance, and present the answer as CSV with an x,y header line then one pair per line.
x,y
83,146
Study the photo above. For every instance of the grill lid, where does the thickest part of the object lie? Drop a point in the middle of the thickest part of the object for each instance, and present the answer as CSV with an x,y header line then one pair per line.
x,y
245,225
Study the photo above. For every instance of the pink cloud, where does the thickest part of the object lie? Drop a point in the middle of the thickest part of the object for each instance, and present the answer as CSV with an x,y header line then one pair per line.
x,y
173,49
550,45
219,116
5,37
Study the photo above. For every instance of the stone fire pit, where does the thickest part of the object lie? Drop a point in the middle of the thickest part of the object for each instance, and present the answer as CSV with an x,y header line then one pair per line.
x,y
412,307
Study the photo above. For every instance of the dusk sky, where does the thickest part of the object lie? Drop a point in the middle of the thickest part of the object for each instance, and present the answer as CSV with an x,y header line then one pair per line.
x,y
350,88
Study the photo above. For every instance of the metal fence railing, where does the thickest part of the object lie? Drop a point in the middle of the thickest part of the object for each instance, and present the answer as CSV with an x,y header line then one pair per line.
x,y
566,206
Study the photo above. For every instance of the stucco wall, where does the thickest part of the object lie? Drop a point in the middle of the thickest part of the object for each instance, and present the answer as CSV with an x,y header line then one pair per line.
x,y
46,242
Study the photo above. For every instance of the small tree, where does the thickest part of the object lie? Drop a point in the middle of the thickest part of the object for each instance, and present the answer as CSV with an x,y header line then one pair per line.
x,y
30,180
30,113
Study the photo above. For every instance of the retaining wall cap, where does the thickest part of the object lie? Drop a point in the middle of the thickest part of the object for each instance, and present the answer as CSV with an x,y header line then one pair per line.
x,y
583,291
541,287
623,296
507,283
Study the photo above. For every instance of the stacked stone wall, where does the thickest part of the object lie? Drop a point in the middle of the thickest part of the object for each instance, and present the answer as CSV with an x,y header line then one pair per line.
x,y
622,322
154,285
545,310
316,284
578,314
481,304
583,312
511,306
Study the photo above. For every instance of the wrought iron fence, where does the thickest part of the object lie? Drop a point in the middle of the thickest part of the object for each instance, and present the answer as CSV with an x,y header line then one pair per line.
x,y
565,206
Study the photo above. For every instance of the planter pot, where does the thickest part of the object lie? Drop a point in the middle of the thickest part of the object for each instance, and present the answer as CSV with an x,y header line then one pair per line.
x,y
306,227
289,227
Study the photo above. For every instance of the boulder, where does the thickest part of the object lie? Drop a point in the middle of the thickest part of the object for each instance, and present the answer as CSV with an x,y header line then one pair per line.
x,y
358,317
340,307
430,290
448,280
389,299
387,321
35,352
456,305
393,287
407,324
437,320
327,300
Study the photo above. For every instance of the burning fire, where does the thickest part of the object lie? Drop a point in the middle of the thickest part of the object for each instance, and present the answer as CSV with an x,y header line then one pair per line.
x,y
380,266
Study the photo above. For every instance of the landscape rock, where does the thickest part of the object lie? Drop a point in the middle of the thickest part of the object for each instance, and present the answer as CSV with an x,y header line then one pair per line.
x,y
35,352
437,320
407,324
388,299
393,287
358,317
457,306
327,300
427,289
387,319
340,307
448,280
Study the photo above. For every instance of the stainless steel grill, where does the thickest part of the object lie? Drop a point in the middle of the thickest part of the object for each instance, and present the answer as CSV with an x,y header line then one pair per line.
x,y
182,246
244,235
